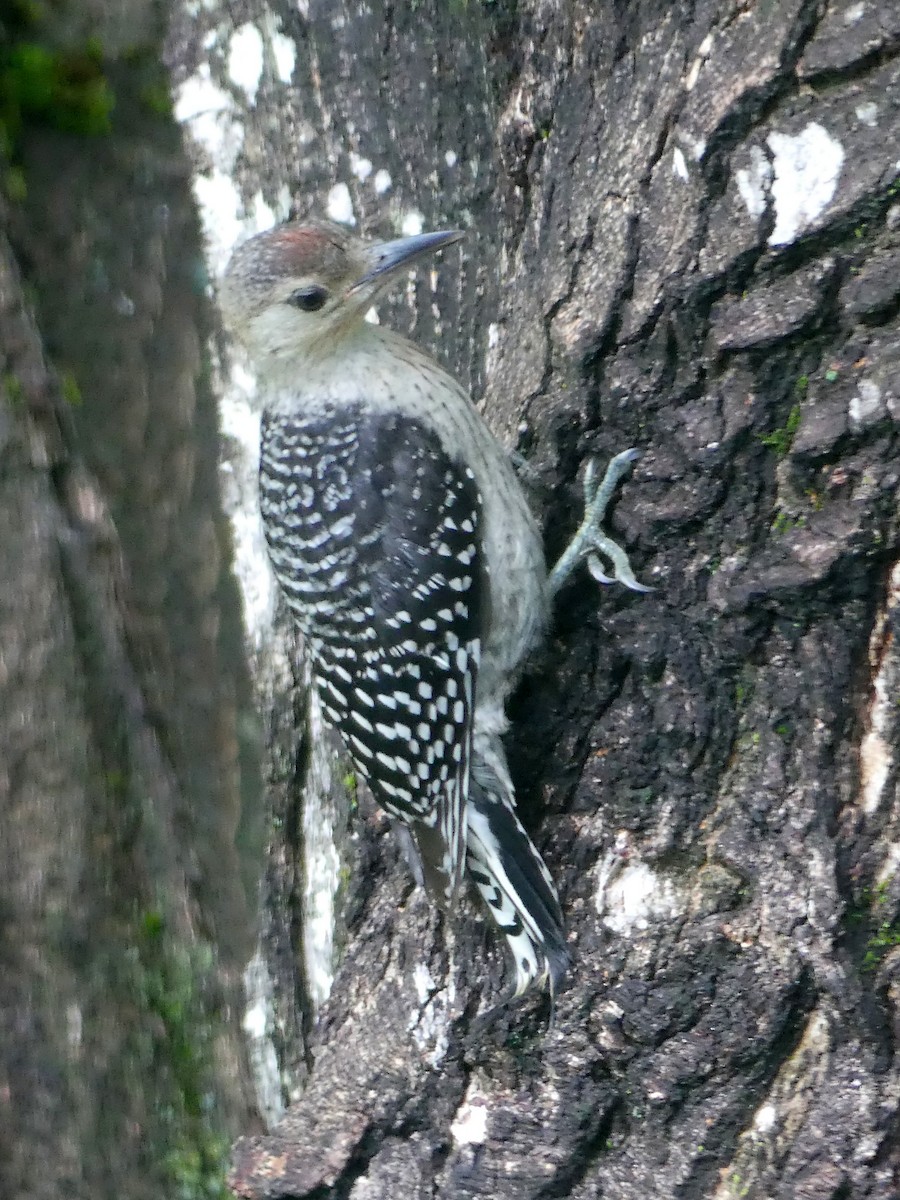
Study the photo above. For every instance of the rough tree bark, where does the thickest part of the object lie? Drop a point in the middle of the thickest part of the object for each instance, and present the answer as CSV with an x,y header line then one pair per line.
x,y
682,236
124,695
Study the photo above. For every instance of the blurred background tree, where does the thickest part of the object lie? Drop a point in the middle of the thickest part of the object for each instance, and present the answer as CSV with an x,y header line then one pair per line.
x,y
683,234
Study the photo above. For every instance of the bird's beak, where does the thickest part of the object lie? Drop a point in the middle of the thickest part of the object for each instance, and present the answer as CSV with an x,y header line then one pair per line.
x,y
385,258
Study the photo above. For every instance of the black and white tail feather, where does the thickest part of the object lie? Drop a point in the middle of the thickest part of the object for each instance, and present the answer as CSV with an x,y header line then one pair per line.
x,y
514,883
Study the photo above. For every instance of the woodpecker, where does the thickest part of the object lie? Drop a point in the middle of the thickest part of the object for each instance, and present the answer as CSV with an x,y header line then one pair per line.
x,y
409,558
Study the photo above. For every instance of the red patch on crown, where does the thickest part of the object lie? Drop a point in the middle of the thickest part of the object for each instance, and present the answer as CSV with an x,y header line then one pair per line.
x,y
306,249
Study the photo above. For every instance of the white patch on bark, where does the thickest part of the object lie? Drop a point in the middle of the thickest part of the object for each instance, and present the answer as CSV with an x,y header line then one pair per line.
x,y
876,750
450,158
753,182
211,117
264,216
74,1027
246,59
424,983
240,499
867,405
339,205
807,167
430,1024
412,223
208,111
765,1118
361,167
382,181
285,54
867,114
679,166
890,866
703,52
259,1026
321,865
630,898
220,202
470,1122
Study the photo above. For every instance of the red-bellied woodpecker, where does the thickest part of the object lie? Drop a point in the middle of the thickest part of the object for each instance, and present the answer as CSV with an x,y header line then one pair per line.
x,y
409,558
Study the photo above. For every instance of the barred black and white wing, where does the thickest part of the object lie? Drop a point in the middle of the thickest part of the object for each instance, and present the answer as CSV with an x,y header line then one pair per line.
x,y
373,531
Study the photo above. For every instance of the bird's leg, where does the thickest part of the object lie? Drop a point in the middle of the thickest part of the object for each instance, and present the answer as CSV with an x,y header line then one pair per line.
x,y
525,470
589,541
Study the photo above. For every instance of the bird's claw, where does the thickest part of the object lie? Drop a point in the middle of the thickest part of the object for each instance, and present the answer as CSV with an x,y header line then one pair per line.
x,y
622,572
589,541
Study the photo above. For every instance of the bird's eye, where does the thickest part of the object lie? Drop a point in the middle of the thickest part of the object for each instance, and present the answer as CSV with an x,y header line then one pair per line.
x,y
308,299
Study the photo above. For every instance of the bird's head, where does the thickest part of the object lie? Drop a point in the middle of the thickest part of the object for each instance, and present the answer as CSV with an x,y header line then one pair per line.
x,y
298,288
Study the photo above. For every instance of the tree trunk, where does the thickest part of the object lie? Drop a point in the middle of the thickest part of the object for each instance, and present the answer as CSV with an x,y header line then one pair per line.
x,y
125,703
683,235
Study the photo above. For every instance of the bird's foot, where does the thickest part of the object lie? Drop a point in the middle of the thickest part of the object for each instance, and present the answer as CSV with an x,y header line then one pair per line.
x,y
589,542
526,472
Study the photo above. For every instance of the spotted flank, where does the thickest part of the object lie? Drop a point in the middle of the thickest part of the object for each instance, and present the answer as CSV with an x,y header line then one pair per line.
x,y
373,534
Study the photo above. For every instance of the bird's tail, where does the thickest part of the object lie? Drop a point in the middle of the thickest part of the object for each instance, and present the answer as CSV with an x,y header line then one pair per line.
x,y
514,882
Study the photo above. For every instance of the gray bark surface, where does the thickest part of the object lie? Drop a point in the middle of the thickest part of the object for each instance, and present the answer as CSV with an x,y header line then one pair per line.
x,y
698,766
653,258
124,920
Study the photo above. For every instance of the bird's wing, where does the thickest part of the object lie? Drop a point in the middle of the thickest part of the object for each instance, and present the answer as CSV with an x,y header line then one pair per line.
x,y
394,603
